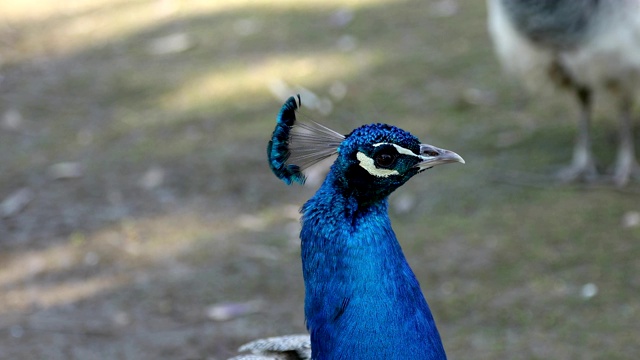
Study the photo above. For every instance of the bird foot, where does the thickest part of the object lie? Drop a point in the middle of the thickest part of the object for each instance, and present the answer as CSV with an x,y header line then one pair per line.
x,y
625,171
585,172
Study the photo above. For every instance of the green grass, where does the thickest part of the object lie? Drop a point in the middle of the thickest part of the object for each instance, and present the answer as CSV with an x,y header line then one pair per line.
x,y
502,260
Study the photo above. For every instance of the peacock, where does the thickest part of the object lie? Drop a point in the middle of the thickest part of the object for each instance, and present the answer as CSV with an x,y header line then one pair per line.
x,y
583,46
362,300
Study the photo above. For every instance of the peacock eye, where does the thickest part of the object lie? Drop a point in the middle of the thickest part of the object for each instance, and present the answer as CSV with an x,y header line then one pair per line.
x,y
385,160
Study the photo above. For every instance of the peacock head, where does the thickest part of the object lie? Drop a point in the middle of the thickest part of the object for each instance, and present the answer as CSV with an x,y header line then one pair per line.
x,y
373,160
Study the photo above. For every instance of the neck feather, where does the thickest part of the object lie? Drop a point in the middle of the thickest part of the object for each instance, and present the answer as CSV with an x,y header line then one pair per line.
x,y
362,299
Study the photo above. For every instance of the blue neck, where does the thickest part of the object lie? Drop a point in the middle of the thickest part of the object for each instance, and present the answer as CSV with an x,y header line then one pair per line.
x,y
362,299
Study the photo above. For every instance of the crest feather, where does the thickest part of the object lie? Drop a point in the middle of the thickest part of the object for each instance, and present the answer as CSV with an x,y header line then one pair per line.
x,y
297,145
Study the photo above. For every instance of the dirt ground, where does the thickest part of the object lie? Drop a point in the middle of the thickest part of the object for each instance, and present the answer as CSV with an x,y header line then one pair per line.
x,y
139,219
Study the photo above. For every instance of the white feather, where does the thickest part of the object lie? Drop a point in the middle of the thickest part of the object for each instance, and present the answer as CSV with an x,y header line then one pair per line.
x,y
516,53
610,55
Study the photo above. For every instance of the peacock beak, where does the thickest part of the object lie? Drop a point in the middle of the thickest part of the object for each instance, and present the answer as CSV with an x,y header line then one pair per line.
x,y
432,156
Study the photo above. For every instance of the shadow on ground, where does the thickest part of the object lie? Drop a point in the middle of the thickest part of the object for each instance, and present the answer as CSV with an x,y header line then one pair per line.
x,y
150,227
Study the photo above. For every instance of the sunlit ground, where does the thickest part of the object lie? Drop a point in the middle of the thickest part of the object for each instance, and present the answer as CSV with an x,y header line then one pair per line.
x,y
139,219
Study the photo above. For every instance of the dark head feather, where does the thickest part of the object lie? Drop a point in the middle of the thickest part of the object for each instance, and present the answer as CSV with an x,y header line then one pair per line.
x,y
296,145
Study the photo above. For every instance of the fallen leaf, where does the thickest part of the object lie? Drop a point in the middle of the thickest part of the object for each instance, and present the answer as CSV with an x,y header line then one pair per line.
x,y
228,311
16,202
65,170
170,44
631,219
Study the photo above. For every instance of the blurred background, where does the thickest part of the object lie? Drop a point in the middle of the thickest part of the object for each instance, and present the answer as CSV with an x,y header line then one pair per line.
x,y
139,218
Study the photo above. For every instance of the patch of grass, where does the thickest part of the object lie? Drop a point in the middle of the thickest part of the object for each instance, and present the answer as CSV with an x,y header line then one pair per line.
x,y
504,266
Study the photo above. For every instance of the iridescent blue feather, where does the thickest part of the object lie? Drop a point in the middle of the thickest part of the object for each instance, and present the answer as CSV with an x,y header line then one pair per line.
x,y
362,300
278,147
296,145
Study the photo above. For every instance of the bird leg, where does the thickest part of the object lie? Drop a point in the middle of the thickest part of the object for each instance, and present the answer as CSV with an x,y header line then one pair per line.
x,y
626,163
583,166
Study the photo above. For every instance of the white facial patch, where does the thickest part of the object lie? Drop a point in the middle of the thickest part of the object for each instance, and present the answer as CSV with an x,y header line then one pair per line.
x,y
368,164
399,148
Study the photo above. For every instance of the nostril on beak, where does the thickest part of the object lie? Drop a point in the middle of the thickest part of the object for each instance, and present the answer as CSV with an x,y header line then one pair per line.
x,y
430,153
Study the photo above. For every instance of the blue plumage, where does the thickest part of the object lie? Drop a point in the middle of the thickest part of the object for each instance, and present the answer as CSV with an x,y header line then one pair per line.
x,y
362,300
296,145
278,147
361,296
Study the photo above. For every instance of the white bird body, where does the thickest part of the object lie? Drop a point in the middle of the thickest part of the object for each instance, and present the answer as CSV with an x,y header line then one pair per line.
x,y
288,347
609,54
585,46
